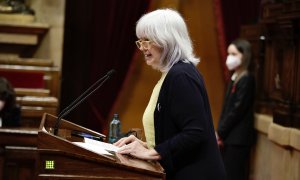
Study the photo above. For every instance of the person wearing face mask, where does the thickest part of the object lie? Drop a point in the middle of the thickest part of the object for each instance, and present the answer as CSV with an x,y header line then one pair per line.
x,y
177,121
10,113
235,133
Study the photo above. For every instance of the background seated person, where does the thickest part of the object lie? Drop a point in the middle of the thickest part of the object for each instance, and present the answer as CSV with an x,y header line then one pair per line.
x,y
10,112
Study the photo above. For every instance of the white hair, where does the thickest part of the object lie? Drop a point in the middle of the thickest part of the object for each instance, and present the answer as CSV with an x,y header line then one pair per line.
x,y
167,29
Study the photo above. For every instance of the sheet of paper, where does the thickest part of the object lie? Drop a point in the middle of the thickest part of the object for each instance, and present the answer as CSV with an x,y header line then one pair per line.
x,y
106,146
93,148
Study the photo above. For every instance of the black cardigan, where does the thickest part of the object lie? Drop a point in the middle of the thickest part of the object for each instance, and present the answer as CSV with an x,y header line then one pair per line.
x,y
184,132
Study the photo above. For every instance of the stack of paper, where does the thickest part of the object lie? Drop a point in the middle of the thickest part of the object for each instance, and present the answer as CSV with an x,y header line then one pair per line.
x,y
97,146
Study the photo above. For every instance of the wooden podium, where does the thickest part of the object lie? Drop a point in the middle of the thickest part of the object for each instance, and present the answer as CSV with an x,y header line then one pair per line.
x,y
61,158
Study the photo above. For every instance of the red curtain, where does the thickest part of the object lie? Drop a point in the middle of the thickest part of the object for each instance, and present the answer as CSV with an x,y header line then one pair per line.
x,y
222,46
99,36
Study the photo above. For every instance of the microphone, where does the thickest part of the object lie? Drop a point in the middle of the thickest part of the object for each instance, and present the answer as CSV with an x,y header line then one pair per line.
x,y
81,98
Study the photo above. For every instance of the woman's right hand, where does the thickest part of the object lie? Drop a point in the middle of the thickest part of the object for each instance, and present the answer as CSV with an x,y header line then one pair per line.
x,y
133,146
128,140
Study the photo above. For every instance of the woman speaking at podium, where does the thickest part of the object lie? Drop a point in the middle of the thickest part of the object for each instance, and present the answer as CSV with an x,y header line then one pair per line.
x,y
177,121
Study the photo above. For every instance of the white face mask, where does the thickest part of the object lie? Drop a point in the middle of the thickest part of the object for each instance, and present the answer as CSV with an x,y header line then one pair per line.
x,y
233,62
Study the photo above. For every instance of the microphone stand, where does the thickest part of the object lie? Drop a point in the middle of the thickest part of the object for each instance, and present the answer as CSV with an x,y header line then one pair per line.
x,y
81,98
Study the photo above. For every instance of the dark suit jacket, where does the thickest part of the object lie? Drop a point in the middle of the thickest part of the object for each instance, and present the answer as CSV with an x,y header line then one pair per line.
x,y
236,124
184,132
11,118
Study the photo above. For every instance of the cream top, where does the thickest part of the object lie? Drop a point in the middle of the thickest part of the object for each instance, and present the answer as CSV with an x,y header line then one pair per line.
x,y
148,117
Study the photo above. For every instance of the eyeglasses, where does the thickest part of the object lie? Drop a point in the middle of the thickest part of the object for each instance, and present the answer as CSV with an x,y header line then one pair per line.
x,y
143,44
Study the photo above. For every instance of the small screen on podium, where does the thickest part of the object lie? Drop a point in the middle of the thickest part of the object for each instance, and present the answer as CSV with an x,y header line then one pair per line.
x,y
49,164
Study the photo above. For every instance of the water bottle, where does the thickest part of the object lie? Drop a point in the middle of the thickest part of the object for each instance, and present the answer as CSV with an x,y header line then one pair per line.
x,y
114,129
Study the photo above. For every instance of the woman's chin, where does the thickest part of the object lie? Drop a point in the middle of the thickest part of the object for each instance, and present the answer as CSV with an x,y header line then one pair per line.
x,y
152,63
149,62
